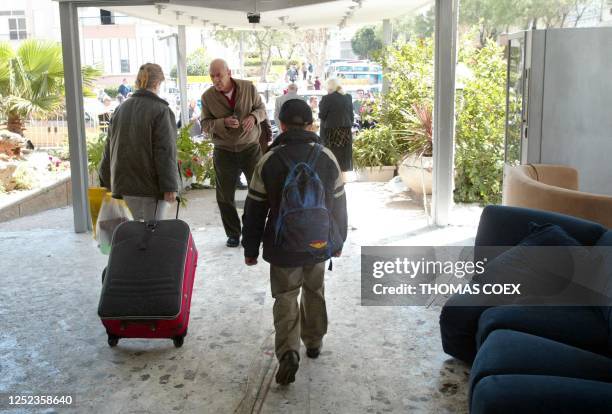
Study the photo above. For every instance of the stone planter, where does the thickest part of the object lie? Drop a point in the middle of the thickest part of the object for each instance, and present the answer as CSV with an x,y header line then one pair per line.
x,y
380,174
415,172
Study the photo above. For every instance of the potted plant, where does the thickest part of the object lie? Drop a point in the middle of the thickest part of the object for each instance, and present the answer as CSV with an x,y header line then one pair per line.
x,y
195,159
416,140
95,151
375,154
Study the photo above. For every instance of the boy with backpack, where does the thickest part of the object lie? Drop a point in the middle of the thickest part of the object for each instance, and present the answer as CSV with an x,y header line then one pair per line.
x,y
298,187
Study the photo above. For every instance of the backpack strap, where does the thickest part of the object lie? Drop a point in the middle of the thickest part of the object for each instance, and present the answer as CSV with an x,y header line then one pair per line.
x,y
313,157
283,157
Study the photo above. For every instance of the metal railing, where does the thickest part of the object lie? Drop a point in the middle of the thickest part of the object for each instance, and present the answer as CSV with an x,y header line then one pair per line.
x,y
52,130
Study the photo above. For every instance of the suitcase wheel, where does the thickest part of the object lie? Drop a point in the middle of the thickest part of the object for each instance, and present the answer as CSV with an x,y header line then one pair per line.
x,y
113,341
178,341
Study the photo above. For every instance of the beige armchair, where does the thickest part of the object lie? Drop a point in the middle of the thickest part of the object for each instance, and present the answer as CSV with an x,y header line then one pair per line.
x,y
554,188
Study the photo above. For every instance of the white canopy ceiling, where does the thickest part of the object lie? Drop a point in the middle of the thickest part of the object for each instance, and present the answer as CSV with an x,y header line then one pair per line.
x,y
277,14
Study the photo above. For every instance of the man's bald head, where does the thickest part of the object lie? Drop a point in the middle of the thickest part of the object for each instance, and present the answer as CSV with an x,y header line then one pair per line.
x,y
292,87
221,75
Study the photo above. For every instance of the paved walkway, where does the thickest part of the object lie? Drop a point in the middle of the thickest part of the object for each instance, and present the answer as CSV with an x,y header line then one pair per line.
x,y
375,359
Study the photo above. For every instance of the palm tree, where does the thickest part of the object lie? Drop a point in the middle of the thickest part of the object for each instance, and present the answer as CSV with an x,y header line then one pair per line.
x,y
32,81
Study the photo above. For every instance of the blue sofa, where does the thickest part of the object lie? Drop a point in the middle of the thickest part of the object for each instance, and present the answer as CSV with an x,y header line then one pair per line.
x,y
533,359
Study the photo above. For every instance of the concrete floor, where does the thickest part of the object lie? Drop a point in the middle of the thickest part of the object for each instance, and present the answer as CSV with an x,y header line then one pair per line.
x,y
375,359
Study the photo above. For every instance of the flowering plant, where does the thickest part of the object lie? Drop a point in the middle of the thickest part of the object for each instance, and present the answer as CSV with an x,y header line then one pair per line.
x,y
56,164
195,158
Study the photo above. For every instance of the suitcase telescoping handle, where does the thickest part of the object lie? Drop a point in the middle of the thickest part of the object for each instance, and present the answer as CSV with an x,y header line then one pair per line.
x,y
151,225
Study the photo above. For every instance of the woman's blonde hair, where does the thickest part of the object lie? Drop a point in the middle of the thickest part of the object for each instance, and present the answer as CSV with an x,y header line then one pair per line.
x,y
149,76
333,85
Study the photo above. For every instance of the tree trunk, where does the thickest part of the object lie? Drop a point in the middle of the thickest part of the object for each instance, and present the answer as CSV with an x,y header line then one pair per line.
x,y
15,123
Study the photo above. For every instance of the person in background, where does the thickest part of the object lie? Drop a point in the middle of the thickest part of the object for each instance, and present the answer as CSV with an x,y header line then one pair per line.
x,y
317,84
108,105
292,74
313,102
310,71
124,88
139,161
304,71
291,94
120,98
292,271
358,103
337,117
232,113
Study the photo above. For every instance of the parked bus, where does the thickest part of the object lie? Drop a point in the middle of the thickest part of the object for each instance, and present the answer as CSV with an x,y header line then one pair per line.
x,y
356,72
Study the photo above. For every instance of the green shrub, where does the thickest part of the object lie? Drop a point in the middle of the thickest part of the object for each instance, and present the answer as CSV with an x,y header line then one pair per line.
x,y
23,178
112,92
479,140
375,147
409,68
95,151
480,111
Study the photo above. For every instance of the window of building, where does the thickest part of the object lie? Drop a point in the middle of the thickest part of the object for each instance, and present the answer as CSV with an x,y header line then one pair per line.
x,y
125,66
106,17
17,28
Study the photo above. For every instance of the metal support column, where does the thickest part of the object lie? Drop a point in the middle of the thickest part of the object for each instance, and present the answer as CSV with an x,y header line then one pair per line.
x,y
181,66
444,109
387,41
69,21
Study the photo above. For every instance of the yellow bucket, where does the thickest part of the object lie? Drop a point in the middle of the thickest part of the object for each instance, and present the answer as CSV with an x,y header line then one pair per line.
x,y
96,196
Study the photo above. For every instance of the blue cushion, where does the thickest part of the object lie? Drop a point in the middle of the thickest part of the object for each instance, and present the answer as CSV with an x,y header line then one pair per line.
x,y
540,394
460,314
458,326
511,352
507,226
579,326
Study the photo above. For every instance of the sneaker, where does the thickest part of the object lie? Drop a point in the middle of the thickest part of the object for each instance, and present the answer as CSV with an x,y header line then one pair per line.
x,y
289,364
233,242
313,352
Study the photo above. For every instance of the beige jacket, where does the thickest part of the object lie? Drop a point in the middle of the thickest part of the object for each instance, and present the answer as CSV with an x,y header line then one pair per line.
x,y
215,108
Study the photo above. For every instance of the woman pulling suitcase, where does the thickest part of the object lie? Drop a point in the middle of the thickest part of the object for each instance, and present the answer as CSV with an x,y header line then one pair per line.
x,y
139,161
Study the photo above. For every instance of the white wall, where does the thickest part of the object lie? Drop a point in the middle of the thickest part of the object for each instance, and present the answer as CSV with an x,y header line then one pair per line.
x,y
42,19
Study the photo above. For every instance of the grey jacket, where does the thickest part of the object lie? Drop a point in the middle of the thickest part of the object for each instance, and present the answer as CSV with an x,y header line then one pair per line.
x,y
279,104
140,154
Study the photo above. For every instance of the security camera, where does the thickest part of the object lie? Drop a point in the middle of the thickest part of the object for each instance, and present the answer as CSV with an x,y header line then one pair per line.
x,y
254,17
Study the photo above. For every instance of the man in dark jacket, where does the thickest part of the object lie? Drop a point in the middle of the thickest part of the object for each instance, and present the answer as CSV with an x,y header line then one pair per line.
x,y
291,271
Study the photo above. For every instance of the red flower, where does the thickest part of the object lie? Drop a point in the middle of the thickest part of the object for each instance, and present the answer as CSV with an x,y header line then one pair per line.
x,y
180,162
188,172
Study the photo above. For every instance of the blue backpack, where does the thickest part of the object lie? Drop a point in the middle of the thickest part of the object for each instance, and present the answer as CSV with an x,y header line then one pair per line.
x,y
304,223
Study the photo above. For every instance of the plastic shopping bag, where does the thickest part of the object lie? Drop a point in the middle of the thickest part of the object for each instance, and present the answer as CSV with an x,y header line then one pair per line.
x,y
112,213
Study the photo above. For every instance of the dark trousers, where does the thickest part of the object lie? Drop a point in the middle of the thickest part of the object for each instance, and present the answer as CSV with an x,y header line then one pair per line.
x,y
228,166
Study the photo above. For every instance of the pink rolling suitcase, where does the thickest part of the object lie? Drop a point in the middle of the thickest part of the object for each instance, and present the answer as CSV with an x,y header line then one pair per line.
x,y
147,285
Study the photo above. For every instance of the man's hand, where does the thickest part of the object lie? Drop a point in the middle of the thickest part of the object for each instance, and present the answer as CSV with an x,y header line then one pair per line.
x,y
250,261
231,122
248,123
170,197
338,253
